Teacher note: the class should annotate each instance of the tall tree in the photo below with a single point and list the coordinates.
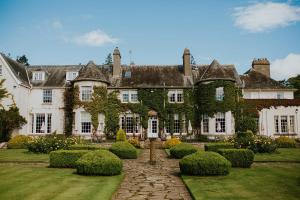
(108, 60)
(294, 82)
(23, 59)
(9, 119)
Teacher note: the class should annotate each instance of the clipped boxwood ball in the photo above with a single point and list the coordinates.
(181, 150)
(65, 158)
(101, 162)
(204, 163)
(124, 150)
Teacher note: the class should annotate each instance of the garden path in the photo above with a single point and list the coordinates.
(144, 181)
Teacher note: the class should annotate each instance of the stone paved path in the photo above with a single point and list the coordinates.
(145, 181)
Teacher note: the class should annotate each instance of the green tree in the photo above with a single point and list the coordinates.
(108, 60)
(9, 119)
(23, 59)
(294, 82)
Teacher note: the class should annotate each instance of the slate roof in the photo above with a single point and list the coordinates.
(152, 76)
(18, 69)
(93, 73)
(255, 80)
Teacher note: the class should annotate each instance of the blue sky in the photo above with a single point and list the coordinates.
(156, 31)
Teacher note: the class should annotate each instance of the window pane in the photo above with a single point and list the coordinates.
(179, 97)
(205, 124)
(292, 123)
(134, 97)
(47, 96)
(220, 94)
(49, 122)
(86, 125)
(172, 97)
(86, 93)
(220, 123)
(40, 123)
(284, 125)
(276, 122)
(125, 97)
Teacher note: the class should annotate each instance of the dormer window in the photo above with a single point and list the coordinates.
(71, 75)
(220, 93)
(38, 76)
(175, 96)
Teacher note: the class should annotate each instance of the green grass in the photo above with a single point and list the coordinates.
(21, 155)
(283, 155)
(30, 182)
(263, 181)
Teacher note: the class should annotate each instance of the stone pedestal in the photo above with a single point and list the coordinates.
(152, 151)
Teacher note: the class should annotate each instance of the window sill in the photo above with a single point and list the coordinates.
(47, 104)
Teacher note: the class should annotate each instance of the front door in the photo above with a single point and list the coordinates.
(153, 127)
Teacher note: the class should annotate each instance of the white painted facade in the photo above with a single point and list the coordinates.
(30, 101)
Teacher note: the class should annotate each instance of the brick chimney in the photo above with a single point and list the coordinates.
(116, 63)
(261, 65)
(187, 69)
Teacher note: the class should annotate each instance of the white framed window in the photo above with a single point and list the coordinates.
(127, 124)
(1, 70)
(292, 124)
(86, 125)
(175, 96)
(38, 76)
(129, 96)
(205, 123)
(176, 124)
(220, 93)
(280, 95)
(41, 123)
(284, 124)
(71, 75)
(220, 123)
(86, 93)
(276, 123)
(47, 96)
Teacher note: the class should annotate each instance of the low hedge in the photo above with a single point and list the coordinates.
(85, 147)
(238, 157)
(285, 142)
(204, 163)
(18, 142)
(65, 158)
(181, 150)
(216, 146)
(101, 162)
(124, 150)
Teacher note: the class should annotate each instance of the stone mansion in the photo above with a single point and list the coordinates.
(39, 93)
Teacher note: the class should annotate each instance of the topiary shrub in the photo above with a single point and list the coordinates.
(100, 162)
(243, 139)
(171, 143)
(285, 142)
(216, 146)
(121, 135)
(204, 163)
(18, 142)
(124, 150)
(238, 157)
(65, 158)
(85, 147)
(135, 142)
(181, 150)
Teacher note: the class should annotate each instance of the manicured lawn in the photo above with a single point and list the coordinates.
(283, 155)
(21, 155)
(263, 181)
(30, 182)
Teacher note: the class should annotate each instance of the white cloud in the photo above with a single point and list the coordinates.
(261, 17)
(94, 38)
(56, 24)
(285, 67)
